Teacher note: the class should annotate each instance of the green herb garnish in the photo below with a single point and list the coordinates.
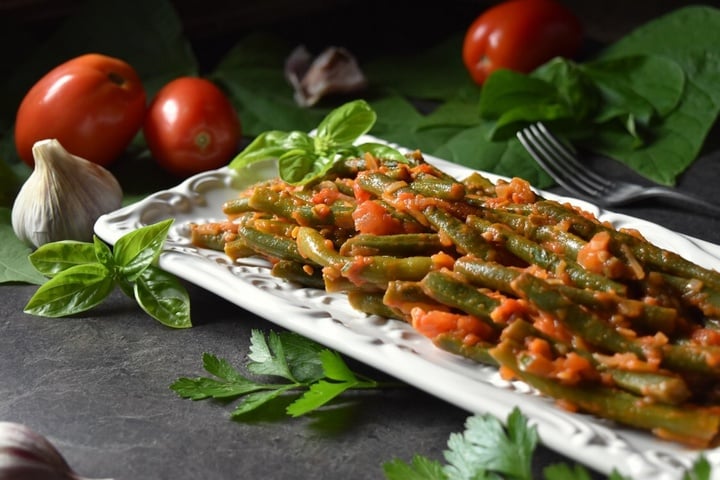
(303, 157)
(489, 450)
(286, 363)
(83, 274)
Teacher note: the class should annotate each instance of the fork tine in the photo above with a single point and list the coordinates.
(570, 157)
(563, 163)
(539, 152)
(558, 161)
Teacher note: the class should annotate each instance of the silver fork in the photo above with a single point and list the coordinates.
(562, 164)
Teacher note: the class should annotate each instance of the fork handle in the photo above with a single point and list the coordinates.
(680, 199)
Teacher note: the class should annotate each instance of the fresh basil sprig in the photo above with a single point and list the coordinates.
(304, 157)
(83, 274)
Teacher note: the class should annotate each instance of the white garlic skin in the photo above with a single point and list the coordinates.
(63, 197)
(27, 455)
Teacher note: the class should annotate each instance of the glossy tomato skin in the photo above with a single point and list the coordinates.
(520, 35)
(191, 126)
(92, 104)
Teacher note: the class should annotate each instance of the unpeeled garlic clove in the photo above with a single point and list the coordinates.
(63, 197)
(334, 71)
(27, 455)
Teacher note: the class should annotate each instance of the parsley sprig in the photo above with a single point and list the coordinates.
(283, 363)
(488, 449)
(491, 450)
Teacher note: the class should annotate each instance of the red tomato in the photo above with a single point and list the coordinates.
(520, 35)
(191, 126)
(93, 104)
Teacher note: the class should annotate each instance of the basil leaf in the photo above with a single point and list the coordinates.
(574, 88)
(381, 150)
(507, 90)
(135, 251)
(163, 297)
(344, 125)
(53, 258)
(271, 144)
(103, 253)
(74, 290)
(299, 167)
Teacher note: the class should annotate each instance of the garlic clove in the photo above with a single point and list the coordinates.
(27, 455)
(63, 197)
(334, 71)
(20, 446)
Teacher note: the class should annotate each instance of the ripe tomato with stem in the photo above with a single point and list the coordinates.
(93, 105)
(191, 126)
(520, 35)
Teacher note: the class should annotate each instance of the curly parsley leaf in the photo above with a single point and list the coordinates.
(286, 363)
(491, 450)
(487, 444)
(421, 468)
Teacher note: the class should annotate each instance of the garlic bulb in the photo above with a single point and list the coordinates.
(63, 197)
(27, 455)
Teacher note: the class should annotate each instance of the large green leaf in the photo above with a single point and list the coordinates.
(14, 263)
(252, 73)
(437, 73)
(689, 36)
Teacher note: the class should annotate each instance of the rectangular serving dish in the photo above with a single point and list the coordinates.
(393, 346)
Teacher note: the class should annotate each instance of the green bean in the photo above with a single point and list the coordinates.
(313, 246)
(477, 184)
(582, 323)
(403, 296)
(437, 188)
(379, 184)
(449, 289)
(300, 273)
(271, 245)
(692, 425)
(478, 352)
(375, 270)
(237, 206)
(666, 388)
(648, 254)
(371, 303)
(379, 270)
(686, 357)
(663, 387)
(466, 239)
(408, 244)
(499, 277)
(562, 241)
(211, 241)
(238, 248)
(487, 274)
(533, 253)
(294, 208)
(696, 293)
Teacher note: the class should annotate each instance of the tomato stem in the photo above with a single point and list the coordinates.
(203, 140)
(116, 78)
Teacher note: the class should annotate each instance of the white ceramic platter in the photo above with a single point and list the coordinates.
(393, 346)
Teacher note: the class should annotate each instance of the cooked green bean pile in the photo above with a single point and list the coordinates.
(599, 319)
